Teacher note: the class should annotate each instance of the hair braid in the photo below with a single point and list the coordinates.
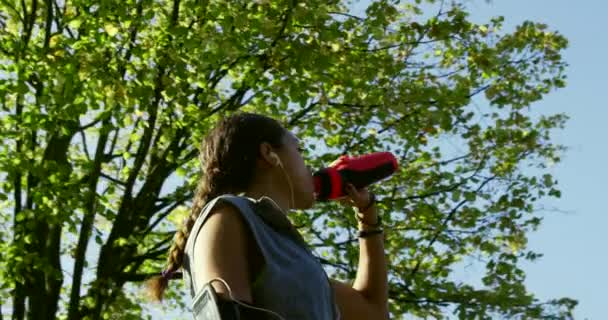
(227, 160)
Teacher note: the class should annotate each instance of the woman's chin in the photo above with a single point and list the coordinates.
(312, 203)
(311, 200)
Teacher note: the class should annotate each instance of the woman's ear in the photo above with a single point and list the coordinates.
(268, 156)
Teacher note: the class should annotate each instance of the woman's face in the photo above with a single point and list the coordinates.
(299, 173)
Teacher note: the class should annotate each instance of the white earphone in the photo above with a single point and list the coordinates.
(237, 301)
(278, 160)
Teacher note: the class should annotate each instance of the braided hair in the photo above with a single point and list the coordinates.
(228, 161)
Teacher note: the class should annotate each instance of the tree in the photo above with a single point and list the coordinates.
(104, 104)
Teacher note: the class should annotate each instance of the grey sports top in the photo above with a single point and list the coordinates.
(292, 282)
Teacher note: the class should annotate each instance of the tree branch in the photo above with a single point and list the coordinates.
(443, 226)
(139, 277)
(346, 15)
(86, 225)
(335, 264)
(160, 218)
(301, 114)
(118, 182)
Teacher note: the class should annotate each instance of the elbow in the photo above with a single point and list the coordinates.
(384, 314)
(381, 311)
(379, 306)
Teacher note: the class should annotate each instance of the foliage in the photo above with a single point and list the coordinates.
(104, 103)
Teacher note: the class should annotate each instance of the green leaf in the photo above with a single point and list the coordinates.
(440, 91)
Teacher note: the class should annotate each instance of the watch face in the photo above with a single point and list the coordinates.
(205, 305)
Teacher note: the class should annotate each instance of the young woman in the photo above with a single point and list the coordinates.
(252, 174)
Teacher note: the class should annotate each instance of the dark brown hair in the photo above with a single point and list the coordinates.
(228, 160)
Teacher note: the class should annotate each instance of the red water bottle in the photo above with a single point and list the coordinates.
(361, 171)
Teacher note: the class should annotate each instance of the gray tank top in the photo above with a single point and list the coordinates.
(292, 282)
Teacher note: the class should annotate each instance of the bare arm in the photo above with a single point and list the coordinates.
(367, 298)
(372, 272)
(221, 251)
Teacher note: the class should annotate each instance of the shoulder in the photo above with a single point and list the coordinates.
(221, 251)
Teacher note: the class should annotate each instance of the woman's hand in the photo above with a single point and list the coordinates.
(356, 198)
(360, 198)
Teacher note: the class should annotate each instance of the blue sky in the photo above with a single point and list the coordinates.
(573, 242)
(575, 261)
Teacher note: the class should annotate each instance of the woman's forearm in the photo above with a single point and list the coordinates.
(372, 273)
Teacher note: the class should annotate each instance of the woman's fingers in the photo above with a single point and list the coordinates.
(347, 201)
(360, 197)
